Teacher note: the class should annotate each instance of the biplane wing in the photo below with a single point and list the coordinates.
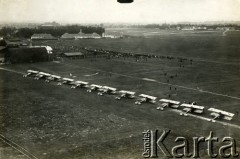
(53, 78)
(125, 94)
(106, 89)
(67, 81)
(170, 103)
(146, 98)
(220, 114)
(79, 84)
(190, 108)
(42, 75)
(31, 72)
(93, 87)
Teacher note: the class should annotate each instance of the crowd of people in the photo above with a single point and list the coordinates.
(137, 56)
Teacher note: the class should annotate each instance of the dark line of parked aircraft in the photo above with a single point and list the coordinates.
(142, 98)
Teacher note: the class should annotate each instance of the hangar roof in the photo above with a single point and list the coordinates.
(73, 54)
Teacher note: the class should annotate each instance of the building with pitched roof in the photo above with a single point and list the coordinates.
(80, 35)
(43, 37)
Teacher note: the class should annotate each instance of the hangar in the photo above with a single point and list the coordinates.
(26, 55)
(2, 53)
(74, 55)
(43, 37)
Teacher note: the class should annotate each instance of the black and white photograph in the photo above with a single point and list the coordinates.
(119, 79)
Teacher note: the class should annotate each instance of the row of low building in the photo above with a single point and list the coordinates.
(31, 54)
(11, 54)
(199, 28)
(2, 50)
(43, 37)
(79, 35)
(24, 54)
(15, 52)
(192, 28)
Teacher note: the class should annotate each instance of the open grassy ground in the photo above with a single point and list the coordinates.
(54, 122)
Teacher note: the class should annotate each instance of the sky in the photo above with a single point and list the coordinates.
(110, 11)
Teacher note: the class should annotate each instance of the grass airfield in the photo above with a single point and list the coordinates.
(53, 121)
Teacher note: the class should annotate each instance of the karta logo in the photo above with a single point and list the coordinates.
(154, 143)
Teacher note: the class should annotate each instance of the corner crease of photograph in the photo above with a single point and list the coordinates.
(110, 11)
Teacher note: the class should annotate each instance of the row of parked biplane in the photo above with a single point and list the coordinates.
(142, 98)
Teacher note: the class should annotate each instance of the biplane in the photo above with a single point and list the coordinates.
(168, 103)
(220, 114)
(31, 72)
(108, 90)
(190, 108)
(53, 78)
(146, 98)
(125, 94)
(79, 84)
(94, 87)
(42, 75)
(68, 81)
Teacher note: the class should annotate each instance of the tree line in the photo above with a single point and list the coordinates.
(12, 32)
(174, 26)
(171, 26)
